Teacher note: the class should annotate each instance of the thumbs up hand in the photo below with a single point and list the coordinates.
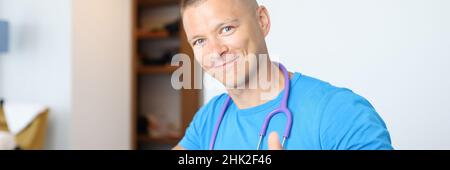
(274, 141)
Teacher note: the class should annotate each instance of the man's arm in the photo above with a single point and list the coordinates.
(349, 122)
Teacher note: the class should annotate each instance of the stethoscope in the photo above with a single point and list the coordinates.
(281, 109)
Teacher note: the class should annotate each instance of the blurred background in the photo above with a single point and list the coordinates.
(94, 74)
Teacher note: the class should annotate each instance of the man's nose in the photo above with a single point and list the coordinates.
(218, 48)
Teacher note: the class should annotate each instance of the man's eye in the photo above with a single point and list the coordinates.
(198, 42)
(226, 29)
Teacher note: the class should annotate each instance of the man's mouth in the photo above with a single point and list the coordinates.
(226, 63)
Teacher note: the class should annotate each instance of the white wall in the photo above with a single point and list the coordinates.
(396, 53)
(75, 57)
(37, 67)
(101, 74)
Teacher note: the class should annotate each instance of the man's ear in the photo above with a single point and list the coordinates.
(263, 19)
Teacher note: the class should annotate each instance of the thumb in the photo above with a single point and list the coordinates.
(274, 141)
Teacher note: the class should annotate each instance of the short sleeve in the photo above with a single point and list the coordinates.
(349, 122)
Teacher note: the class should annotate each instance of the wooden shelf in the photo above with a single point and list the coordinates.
(164, 69)
(152, 35)
(144, 37)
(157, 3)
(165, 140)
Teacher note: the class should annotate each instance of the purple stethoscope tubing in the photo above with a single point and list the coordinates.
(281, 109)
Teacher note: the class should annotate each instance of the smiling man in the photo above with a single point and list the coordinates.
(228, 40)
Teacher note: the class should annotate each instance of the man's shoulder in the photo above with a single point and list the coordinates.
(321, 95)
(217, 100)
(212, 105)
(314, 89)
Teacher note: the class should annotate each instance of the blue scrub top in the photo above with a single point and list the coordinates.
(325, 117)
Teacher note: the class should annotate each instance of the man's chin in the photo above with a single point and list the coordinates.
(233, 84)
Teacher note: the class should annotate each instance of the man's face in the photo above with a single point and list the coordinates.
(225, 35)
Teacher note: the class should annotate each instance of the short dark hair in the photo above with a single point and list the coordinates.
(187, 3)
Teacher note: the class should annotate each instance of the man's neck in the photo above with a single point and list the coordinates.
(247, 98)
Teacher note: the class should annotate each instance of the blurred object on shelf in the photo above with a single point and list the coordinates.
(155, 127)
(162, 127)
(159, 58)
(156, 19)
(142, 125)
(158, 51)
(168, 29)
(173, 27)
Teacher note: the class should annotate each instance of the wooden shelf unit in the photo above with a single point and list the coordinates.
(163, 69)
(148, 139)
(190, 99)
(142, 35)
